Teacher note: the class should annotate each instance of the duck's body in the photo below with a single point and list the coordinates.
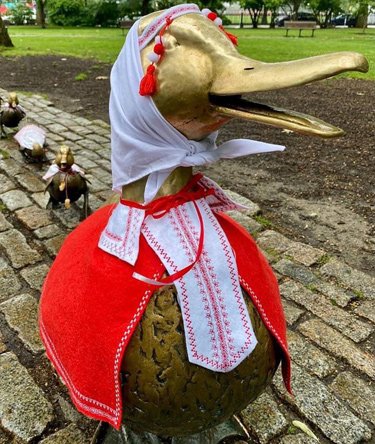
(66, 183)
(199, 80)
(32, 143)
(10, 114)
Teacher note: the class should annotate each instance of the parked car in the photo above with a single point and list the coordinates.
(344, 20)
(301, 16)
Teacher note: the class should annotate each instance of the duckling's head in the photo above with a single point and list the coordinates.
(201, 78)
(37, 150)
(13, 99)
(64, 158)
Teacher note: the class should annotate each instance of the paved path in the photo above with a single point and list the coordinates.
(329, 308)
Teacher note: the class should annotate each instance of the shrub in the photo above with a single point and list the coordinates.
(21, 14)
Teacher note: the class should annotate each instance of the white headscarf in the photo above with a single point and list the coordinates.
(143, 142)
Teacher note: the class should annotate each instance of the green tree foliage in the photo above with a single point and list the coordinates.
(21, 14)
(324, 9)
(255, 8)
(273, 6)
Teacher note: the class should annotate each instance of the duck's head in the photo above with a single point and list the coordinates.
(64, 158)
(37, 150)
(201, 79)
(13, 99)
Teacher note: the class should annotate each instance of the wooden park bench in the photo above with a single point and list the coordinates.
(300, 26)
(126, 24)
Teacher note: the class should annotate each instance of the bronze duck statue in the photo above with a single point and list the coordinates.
(199, 86)
(32, 143)
(11, 113)
(66, 182)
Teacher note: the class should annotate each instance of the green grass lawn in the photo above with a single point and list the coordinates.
(262, 44)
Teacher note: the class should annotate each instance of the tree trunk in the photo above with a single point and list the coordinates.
(41, 13)
(264, 16)
(145, 7)
(4, 36)
(362, 16)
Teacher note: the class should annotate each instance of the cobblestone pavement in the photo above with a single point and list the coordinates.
(329, 308)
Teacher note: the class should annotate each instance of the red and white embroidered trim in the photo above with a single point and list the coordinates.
(219, 334)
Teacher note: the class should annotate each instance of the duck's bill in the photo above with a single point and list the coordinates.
(238, 107)
(240, 75)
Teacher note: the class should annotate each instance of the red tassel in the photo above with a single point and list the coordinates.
(230, 36)
(147, 87)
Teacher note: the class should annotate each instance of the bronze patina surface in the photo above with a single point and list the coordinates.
(166, 395)
(11, 116)
(200, 80)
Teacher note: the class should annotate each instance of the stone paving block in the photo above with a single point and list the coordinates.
(11, 167)
(305, 254)
(4, 224)
(28, 418)
(53, 244)
(272, 240)
(9, 283)
(90, 154)
(70, 218)
(35, 276)
(34, 217)
(95, 203)
(341, 347)
(100, 173)
(3, 348)
(310, 357)
(89, 145)
(316, 403)
(359, 394)
(47, 232)
(82, 121)
(292, 312)
(70, 435)
(101, 123)
(56, 128)
(21, 313)
(104, 164)
(251, 225)
(252, 208)
(6, 184)
(264, 418)
(68, 135)
(30, 182)
(366, 309)
(350, 277)
(17, 249)
(82, 130)
(15, 199)
(294, 271)
(299, 438)
(84, 162)
(41, 199)
(97, 138)
(95, 184)
(345, 322)
(70, 413)
(334, 293)
(54, 137)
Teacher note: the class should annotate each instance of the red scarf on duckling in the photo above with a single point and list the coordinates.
(87, 317)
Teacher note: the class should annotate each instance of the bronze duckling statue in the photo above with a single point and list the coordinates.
(66, 182)
(11, 113)
(196, 86)
(32, 143)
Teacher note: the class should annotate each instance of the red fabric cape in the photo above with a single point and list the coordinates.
(91, 305)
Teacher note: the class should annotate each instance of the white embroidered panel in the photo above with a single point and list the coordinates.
(218, 330)
(121, 235)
